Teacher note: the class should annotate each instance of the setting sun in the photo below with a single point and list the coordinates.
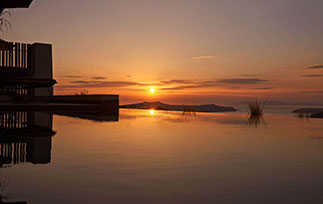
(152, 90)
(152, 111)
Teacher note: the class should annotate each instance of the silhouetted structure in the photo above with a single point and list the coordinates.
(93, 116)
(25, 137)
(25, 71)
(15, 3)
(256, 121)
(26, 80)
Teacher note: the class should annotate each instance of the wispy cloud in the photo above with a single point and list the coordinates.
(312, 75)
(193, 59)
(192, 84)
(99, 78)
(98, 84)
(242, 81)
(83, 77)
(182, 87)
(204, 57)
(178, 81)
(83, 82)
(313, 92)
(173, 84)
(72, 76)
(263, 88)
(248, 75)
(318, 66)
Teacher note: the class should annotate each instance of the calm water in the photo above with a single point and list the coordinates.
(165, 157)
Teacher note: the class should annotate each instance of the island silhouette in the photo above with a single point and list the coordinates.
(211, 108)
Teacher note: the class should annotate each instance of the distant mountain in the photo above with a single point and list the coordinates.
(186, 108)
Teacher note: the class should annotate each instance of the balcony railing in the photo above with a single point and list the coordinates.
(15, 55)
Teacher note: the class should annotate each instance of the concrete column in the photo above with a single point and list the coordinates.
(42, 66)
(41, 119)
(39, 150)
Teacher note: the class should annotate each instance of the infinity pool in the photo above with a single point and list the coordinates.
(167, 157)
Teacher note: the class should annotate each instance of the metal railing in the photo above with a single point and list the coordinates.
(15, 55)
(13, 120)
(13, 153)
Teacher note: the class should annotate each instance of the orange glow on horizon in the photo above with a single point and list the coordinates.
(161, 64)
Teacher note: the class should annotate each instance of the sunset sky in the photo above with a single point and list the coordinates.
(189, 51)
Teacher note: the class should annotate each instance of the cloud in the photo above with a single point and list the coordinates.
(242, 81)
(178, 81)
(313, 92)
(99, 78)
(248, 75)
(172, 84)
(191, 84)
(182, 87)
(263, 88)
(318, 66)
(83, 82)
(204, 57)
(81, 77)
(193, 59)
(312, 75)
(98, 84)
(72, 76)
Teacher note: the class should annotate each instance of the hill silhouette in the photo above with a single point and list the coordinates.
(186, 108)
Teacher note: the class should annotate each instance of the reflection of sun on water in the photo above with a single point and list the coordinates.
(152, 111)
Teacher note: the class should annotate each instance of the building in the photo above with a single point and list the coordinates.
(26, 80)
(26, 137)
(26, 71)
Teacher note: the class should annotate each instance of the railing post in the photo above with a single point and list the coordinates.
(29, 48)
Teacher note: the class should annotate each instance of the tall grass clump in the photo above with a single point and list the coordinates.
(255, 107)
(303, 115)
(188, 109)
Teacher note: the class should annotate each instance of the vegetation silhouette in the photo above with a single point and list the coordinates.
(303, 115)
(256, 121)
(5, 24)
(255, 109)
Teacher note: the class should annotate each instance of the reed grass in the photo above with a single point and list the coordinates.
(256, 120)
(188, 108)
(303, 115)
(255, 107)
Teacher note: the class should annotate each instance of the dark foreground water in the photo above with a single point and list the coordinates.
(163, 157)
